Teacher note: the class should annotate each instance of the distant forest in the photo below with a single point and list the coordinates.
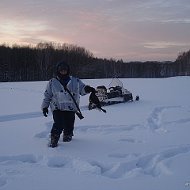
(28, 63)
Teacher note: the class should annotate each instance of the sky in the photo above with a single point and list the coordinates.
(132, 30)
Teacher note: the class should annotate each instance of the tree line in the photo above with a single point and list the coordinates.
(37, 63)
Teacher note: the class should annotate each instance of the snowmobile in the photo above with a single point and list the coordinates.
(115, 94)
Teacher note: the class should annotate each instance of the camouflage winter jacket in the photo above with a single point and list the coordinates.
(58, 98)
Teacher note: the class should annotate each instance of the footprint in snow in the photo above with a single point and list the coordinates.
(130, 140)
(123, 155)
(3, 181)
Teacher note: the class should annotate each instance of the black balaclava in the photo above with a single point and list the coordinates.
(64, 79)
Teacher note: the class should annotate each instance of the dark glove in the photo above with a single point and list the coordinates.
(89, 89)
(45, 111)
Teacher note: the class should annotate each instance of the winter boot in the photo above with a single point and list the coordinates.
(67, 138)
(54, 140)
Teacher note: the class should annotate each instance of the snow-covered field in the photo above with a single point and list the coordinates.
(141, 145)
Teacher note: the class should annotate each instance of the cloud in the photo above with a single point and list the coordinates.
(163, 45)
(109, 28)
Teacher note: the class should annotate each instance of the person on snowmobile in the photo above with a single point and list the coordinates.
(62, 94)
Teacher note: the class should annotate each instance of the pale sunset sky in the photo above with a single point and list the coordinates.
(132, 30)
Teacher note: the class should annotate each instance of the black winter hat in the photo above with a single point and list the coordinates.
(62, 66)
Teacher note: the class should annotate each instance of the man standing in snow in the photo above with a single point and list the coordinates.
(62, 94)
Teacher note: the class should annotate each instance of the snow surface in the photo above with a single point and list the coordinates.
(141, 145)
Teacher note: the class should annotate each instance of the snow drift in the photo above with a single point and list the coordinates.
(137, 145)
